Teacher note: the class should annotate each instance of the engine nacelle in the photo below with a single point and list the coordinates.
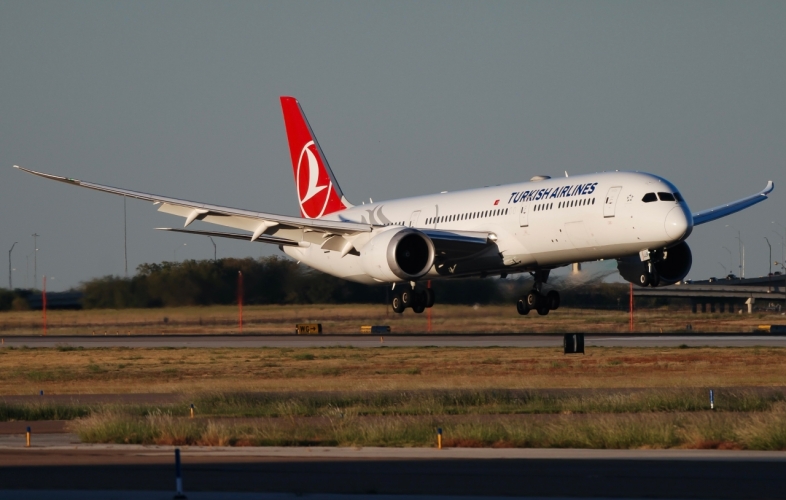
(399, 254)
(671, 269)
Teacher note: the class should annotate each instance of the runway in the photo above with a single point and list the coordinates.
(457, 472)
(391, 340)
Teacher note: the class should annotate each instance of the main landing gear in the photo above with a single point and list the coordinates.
(536, 300)
(418, 300)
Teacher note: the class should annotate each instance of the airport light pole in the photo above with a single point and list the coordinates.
(35, 258)
(174, 253)
(783, 239)
(770, 261)
(125, 236)
(10, 281)
(742, 251)
(27, 269)
(730, 263)
(214, 248)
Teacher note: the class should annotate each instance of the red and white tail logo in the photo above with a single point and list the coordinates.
(317, 190)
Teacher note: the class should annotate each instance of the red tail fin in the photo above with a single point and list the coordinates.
(317, 190)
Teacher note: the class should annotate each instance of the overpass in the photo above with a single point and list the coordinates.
(722, 295)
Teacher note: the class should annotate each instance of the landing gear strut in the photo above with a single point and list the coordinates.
(409, 296)
(536, 300)
(649, 277)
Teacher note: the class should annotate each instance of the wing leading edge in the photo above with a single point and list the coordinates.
(733, 207)
(256, 222)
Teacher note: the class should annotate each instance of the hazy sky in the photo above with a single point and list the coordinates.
(406, 98)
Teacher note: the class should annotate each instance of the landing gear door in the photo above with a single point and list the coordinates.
(523, 215)
(413, 219)
(611, 201)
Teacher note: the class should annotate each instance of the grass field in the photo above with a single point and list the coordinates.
(608, 398)
(338, 319)
(125, 370)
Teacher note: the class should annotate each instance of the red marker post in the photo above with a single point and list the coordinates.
(240, 300)
(630, 326)
(428, 311)
(43, 302)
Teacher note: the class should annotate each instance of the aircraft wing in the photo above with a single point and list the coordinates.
(730, 208)
(458, 244)
(287, 230)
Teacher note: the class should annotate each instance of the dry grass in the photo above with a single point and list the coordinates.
(338, 319)
(167, 370)
(761, 431)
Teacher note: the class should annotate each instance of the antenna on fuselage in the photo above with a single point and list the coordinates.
(566, 173)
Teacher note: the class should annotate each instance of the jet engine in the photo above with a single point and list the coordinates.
(399, 254)
(666, 267)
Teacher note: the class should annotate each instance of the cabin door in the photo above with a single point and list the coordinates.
(523, 215)
(611, 201)
(413, 219)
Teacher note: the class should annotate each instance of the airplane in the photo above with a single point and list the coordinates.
(637, 218)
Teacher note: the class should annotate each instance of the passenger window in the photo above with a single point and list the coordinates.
(666, 197)
(678, 197)
(649, 198)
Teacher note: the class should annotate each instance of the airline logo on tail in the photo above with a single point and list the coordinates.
(317, 191)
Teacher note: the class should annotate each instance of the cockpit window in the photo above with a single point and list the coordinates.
(666, 197)
(678, 197)
(649, 198)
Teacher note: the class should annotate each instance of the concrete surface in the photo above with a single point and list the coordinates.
(148, 472)
(392, 341)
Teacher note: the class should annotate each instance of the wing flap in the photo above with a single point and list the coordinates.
(236, 236)
(733, 207)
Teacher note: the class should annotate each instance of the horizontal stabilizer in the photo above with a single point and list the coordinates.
(733, 207)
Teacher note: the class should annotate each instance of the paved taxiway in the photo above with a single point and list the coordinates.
(463, 340)
(66, 465)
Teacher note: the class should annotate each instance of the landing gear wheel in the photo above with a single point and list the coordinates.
(543, 310)
(407, 297)
(654, 278)
(552, 299)
(533, 299)
(397, 303)
(429, 297)
(644, 279)
(418, 301)
(522, 308)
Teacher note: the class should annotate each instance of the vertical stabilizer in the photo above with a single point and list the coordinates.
(317, 190)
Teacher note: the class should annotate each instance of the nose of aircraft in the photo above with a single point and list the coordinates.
(678, 223)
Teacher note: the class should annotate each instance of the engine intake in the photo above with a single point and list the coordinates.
(398, 254)
(671, 269)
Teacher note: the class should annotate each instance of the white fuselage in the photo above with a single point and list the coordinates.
(540, 224)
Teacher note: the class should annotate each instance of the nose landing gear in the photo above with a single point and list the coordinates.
(418, 300)
(649, 277)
